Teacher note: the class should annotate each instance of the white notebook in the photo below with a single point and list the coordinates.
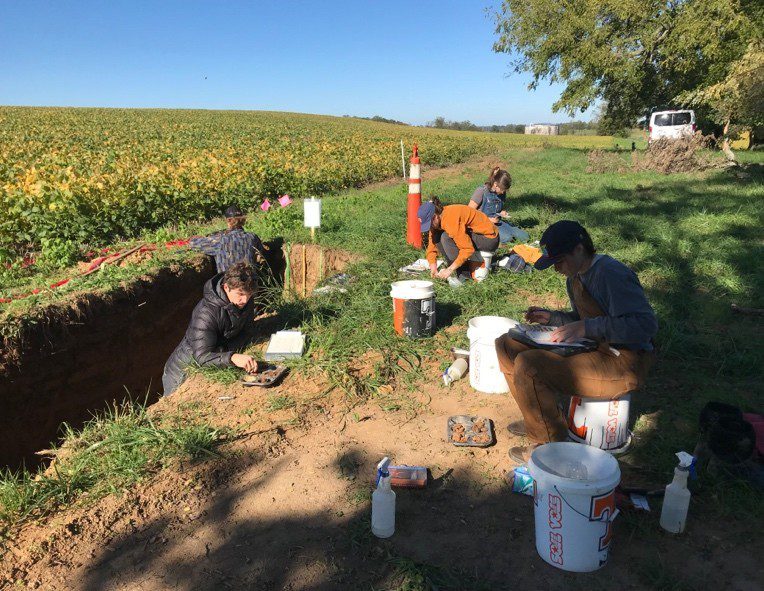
(542, 335)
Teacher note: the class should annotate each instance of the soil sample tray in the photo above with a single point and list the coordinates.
(466, 431)
(269, 376)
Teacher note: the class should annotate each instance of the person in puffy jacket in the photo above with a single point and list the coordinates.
(221, 324)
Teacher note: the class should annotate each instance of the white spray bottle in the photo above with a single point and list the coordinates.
(676, 502)
(383, 503)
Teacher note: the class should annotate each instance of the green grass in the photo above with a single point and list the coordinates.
(110, 453)
(279, 402)
(694, 239)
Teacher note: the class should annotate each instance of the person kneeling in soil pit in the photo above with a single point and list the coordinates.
(221, 324)
(609, 306)
(233, 245)
(458, 233)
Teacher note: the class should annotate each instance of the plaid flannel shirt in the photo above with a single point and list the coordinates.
(229, 248)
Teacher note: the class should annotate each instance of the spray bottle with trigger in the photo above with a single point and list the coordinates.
(383, 503)
(676, 502)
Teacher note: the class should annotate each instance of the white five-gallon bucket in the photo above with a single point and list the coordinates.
(413, 308)
(600, 423)
(485, 375)
(574, 498)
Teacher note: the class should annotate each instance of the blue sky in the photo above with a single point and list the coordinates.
(410, 61)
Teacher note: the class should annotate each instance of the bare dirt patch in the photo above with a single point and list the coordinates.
(288, 507)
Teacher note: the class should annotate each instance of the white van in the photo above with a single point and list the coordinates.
(671, 124)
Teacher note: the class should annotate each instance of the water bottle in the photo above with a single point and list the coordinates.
(676, 501)
(455, 372)
(383, 503)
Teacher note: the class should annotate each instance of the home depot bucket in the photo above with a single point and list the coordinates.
(600, 423)
(574, 504)
(482, 331)
(413, 308)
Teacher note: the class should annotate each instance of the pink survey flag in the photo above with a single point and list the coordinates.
(266, 205)
(285, 200)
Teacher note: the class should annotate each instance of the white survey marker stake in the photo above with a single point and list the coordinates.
(312, 212)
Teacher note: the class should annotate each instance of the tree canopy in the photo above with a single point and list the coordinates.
(637, 54)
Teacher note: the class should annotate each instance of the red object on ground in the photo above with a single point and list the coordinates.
(757, 422)
(93, 265)
(413, 227)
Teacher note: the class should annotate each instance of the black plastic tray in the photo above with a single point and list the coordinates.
(268, 376)
(468, 421)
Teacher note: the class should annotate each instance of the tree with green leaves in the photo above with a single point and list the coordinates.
(638, 54)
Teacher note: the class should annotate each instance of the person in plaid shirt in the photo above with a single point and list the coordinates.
(233, 245)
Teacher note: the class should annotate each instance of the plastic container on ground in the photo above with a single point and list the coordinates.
(383, 503)
(479, 271)
(574, 504)
(600, 423)
(676, 501)
(413, 308)
(456, 371)
(485, 375)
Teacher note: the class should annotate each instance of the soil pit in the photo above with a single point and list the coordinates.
(102, 349)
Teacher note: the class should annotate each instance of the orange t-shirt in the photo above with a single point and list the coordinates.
(455, 221)
(529, 254)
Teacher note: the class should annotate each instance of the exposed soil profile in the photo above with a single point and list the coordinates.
(101, 349)
(310, 264)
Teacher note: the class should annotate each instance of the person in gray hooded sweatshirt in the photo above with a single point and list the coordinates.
(221, 324)
(609, 306)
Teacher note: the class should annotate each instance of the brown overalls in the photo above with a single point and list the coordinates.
(535, 376)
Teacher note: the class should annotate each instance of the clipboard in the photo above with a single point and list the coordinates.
(520, 334)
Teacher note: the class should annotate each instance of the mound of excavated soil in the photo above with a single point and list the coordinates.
(664, 156)
(682, 155)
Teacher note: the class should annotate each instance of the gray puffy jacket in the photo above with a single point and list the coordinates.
(217, 330)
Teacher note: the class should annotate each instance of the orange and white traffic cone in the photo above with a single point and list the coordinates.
(413, 227)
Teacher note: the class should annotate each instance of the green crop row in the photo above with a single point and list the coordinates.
(70, 177)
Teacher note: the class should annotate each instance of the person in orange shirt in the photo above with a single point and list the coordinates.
(458, 233)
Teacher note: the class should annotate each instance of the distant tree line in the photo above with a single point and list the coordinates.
(379, 119)
(569, 128)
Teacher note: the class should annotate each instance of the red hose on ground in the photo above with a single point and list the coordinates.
(95, 264)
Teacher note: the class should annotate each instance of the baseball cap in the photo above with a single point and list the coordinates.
(557, 240)
(233, 211)
(425, 213)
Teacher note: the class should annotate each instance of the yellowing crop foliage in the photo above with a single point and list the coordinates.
(93, 175)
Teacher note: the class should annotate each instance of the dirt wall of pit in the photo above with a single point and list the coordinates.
(99, 349)
(309, 264)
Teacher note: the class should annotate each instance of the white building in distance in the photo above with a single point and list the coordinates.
(542, 129)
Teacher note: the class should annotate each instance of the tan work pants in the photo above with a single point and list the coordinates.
(536, 377)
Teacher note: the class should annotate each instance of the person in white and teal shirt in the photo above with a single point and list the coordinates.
(490, 198)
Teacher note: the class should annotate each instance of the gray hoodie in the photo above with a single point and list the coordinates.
(629, 320)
